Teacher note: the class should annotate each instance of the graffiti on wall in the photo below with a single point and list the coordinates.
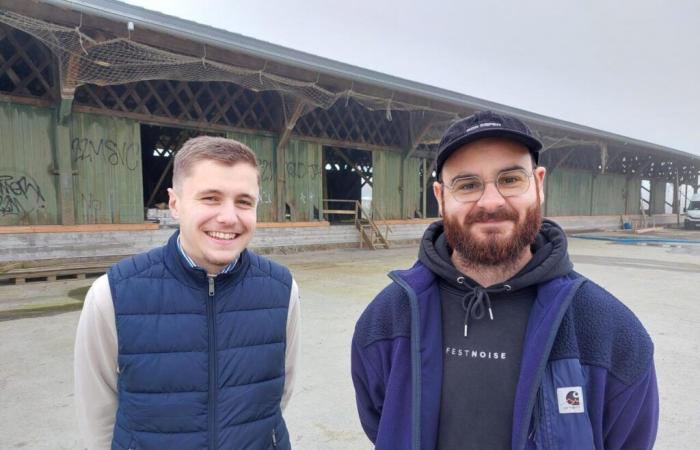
(19, 195)
(304, 198)
(265, 198)
(123, 154)
(301, 170)
(265, 168)
(91, 207)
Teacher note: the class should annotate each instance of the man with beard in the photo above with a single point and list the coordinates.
(491, 340)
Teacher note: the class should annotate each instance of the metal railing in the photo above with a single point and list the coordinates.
(362, 218)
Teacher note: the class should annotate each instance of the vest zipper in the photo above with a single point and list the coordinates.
(536, 432)
(274, 438)
(211, 285)
(212, 365)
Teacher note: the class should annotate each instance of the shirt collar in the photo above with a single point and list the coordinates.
(194, 265)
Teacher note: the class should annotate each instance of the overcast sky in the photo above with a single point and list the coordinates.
(631, 67)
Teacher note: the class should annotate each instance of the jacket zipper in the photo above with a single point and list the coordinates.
(212, 364)
(416, 378)
(274, 438)
(535, 421)
(521, 440)
(539, 418)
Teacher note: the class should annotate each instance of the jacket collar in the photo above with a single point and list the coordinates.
(176, 262)
(419, 277)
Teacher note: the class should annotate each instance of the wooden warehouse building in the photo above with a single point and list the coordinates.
(92, 110)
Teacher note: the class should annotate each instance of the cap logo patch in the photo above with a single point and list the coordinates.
(570, 400)
(482, 125)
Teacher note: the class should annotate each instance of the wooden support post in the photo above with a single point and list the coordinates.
(64, 163)
(626, 193)
(590, 208)
(62, 143)
(603, 157)
(413, 142)
(281, 160)
(424, 189)
(402, 187)
(676, 208)
(281, 184)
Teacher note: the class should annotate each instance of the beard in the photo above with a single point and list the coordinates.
(494, 250)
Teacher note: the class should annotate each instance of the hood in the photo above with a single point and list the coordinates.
(550, 258)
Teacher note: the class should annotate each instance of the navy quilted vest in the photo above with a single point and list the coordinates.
(201, 362)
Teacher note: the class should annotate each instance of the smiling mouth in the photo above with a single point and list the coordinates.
(491, 221)
(222, 236)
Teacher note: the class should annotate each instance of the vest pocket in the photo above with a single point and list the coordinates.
(563, 409)
(279, 438)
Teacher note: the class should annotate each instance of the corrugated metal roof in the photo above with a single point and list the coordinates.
(235, 42)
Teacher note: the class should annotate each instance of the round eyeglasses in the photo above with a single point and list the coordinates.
(508, 183)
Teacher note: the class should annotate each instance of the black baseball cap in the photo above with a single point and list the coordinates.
(483, 124)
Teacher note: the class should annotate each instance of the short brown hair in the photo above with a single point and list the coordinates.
(201, 148)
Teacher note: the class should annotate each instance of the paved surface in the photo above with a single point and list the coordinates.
(660, 284)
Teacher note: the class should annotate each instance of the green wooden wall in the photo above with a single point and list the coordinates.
(411, 187)
(28, 188)
(304, 193)
(107, 185)
(264, 148)
(386, 172)
(658, 196)
(106, 152)
(609, 194)
(568, 193)
(579, 193)
(634, 195)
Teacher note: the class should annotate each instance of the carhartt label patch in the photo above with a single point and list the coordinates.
(570, 400)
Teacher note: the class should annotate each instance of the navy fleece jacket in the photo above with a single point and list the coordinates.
(586, 379)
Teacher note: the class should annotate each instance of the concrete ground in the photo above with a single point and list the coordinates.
(660, 284)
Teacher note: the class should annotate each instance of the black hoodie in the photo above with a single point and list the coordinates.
(483, 330)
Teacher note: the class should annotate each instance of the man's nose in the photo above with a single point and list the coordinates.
(228, 213)
(491, 199)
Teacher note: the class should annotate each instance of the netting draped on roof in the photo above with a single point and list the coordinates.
(83, 60)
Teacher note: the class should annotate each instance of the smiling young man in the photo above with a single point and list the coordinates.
(491, 340)
(193, 345)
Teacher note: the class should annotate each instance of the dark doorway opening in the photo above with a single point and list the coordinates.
(347, 179)
(427, 180)
(158, 147)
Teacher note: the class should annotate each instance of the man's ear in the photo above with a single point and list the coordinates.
(438, 191)
(540, 174)
(173, 203)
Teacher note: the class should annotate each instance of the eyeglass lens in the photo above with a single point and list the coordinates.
(508, 183)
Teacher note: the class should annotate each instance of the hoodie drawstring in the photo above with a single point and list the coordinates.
(477, 301)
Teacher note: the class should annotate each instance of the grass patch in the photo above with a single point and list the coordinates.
(61, 306)
(78, 293)
(73, 302)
